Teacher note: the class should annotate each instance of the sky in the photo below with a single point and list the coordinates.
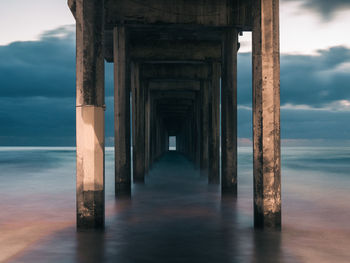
(37, 74)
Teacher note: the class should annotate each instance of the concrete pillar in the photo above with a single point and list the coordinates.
(229, 112)
(185, 138)
(204, 158)
(198, 131)
(153, 130)
(266, 115)
(178, 148)
(138, 113)
(147, 126)
(190, 132)
(214, 125)
(121, 113)
(156, 135)
(165, 139)
(90, 114)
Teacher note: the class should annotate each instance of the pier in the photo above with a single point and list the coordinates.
(175, 64)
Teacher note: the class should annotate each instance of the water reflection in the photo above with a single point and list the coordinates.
(174, 217)
(267, 247)
(90, 247)
(177, 217)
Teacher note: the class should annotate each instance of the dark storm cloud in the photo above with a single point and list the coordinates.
(46, 68)
(37, 92)
(40, 68)
(326, 8)
(314, 80)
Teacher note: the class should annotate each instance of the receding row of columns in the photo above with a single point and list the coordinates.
(198, 123)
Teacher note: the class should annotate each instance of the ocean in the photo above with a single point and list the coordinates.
(176, 216)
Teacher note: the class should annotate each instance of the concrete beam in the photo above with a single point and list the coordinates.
(190, 85)
(194, 12)
(175, 61)
(172, 103)
(173, 107)
(175, 50)
(162, 50)
(174, 71)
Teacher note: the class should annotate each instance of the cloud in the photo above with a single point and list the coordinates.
(46, 68)
(41, 68)
(326, 8)
(317, 81)
(37, 93)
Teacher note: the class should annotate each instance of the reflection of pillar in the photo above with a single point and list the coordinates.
(204, 128)
(266, 115)
(88, 239)
(138, 113)
(229, 113)
(121, 113)
(214, 125)
(90, 114)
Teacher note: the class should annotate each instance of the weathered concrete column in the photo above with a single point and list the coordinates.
(153, 135)
(190, 131)
(147, 126)
(204, 159)
(156, 135)
(121, 113)
(214, 125)
(266, 115)
(90, 114)
(138, 113)
(198, 131)
(229, 112)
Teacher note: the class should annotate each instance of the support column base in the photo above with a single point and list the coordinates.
(268, 221)
(123, 190)
(229, 191)
(90, 212)
(139, 180)
(214, 180)
(203, 173)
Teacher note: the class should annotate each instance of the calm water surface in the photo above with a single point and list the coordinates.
(175, 216)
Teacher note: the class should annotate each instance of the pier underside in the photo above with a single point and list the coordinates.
(175, 75)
